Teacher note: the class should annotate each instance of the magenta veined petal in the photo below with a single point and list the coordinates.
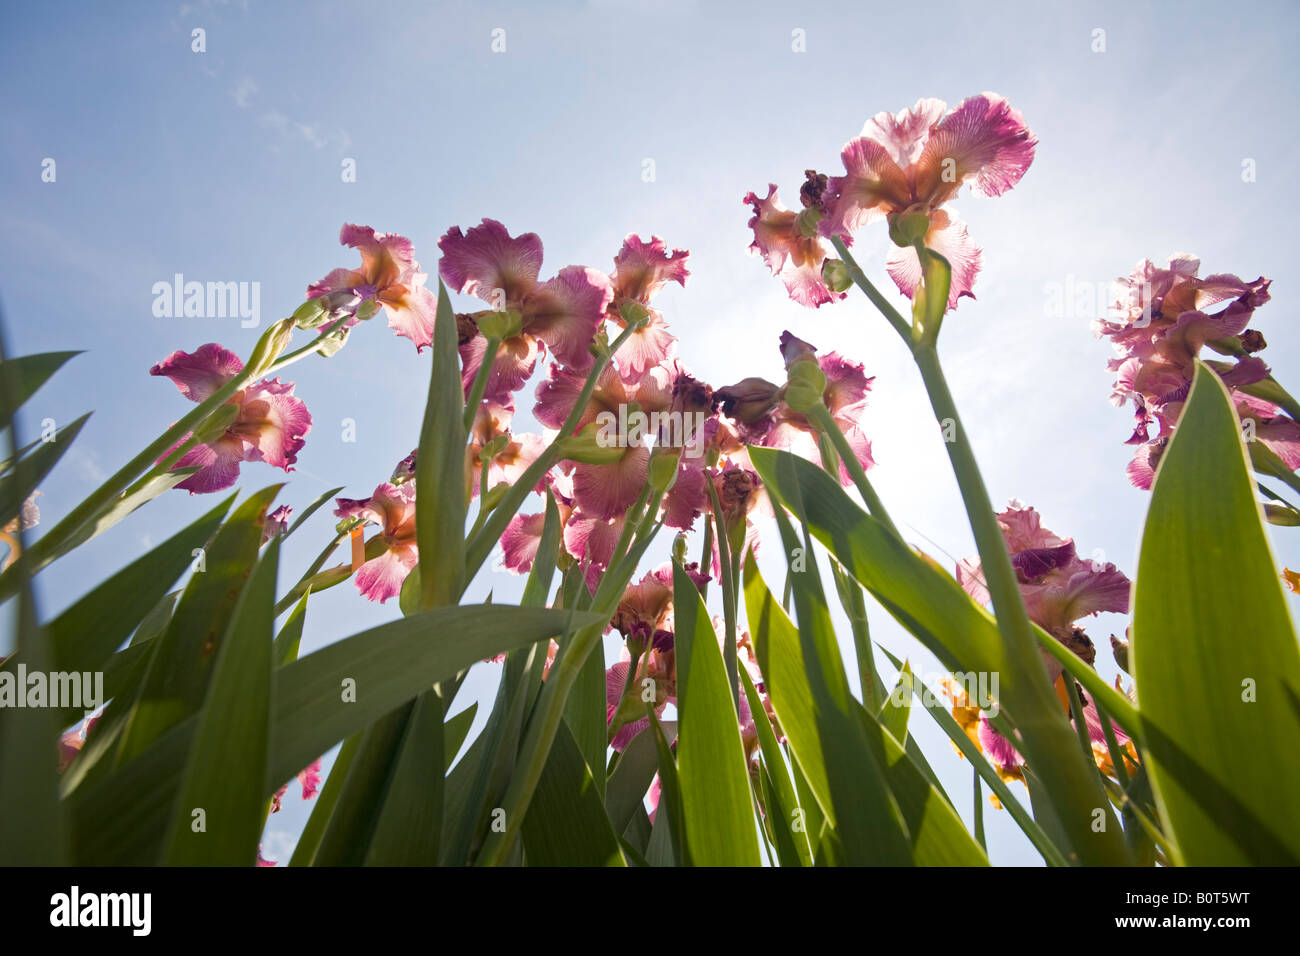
(411, 313)
(566, 311)
(643, 268)
(904, 134)
(274, 422)
(487, 259)
(984, 141)
(200, 373)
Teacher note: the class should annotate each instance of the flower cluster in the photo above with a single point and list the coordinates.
(1163, 321)
(903, 168)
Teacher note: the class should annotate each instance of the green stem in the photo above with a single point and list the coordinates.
(1073, 783)
(979, 812)
(895, 318)
(480, 545)
(822, 418)
(480, 381)
(536, 746)
(728, 593)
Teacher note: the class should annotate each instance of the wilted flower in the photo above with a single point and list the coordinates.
(261, 422)
(915, 162)
(390, 277)
(276, 523)
(762, 419)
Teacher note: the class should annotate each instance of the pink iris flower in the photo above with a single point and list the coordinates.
(392, 509)
(561, 314)
(918, 160)
(270, 424)
(790, 250)
(641, 269)
(389, 276)
(1058, 586)
(1162, 322)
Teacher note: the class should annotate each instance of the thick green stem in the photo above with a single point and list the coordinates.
(1072, 782)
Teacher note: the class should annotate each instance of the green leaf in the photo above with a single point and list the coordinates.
(30, 372)
(181, 661)
(440, 470)
(543, 569)
(988, 774)
(16, 488)
(285, 649)
(304, 853)
(894, 711)
(117, 819)
(666, 846)
(867, 819)
(311, 509)
(455, 730)
(777, 778)
(566, 823)
(933, 607)
(351, 825)
(584, 712)
(88, 632)
(1214, 651)
(121, 508)
(713, 774)
(632, 777)
(407, 829)
(226, 766)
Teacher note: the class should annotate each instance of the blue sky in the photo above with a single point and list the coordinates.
(225, 166)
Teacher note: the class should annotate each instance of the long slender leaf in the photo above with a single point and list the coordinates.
(219, 807)
(1214, 651)
(719, 821)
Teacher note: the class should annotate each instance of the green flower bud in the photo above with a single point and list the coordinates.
(271, 345)
(594, 445)
(500, 325)
(807, 222)
(908, 227)
(663, 469)
(805, 384)
(494, 495)
(836, 275)
(309, 315)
